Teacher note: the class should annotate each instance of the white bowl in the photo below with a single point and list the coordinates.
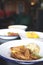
(6, 48)
(23, 27)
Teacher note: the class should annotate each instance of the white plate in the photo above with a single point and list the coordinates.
(5, 50)
(4, 33)
(23, 35)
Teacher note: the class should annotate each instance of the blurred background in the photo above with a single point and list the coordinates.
(23, 12)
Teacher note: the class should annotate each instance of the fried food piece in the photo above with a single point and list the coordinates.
(18, 55)
(17, 49)
(20, 52)
(17, 52)
(27, 54)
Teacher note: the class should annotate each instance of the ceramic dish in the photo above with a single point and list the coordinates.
(4, 33)
(5, 50)
(31, 35)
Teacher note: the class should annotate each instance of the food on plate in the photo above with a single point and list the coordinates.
(33, 47)
(32, 35)
(12, 34)
(25, 53)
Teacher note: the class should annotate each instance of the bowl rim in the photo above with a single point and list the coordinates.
(21, 26)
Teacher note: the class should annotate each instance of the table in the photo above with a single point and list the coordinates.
(4, 62)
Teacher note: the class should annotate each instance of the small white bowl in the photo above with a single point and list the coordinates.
(23, 27)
